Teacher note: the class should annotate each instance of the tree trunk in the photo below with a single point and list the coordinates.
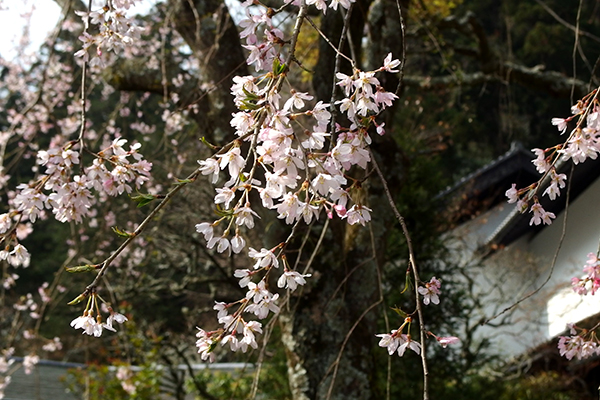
(319, 333)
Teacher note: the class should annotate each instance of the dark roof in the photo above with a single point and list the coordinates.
(486, 188)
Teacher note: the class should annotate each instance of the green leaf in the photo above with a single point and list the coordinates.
(207, 143)
(143, 199)
(249, 106)
(76, 300)
(183, 182)
(249, 95)
(407, 282)
(400, 312)
(282, 69)
(278, 67)
(222, 212)
(82, 268)
(121, 233)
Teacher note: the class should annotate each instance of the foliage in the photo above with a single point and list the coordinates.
(96, 382)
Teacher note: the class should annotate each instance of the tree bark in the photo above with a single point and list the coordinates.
(334, 322)
(210, 32)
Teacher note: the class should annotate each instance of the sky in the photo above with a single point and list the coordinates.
(46, 14)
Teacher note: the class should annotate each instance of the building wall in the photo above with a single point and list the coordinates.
(582, 237)
(519, 269)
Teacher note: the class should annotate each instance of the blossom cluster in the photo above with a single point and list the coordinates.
(238, 332)
(582, 143)
(6, 361)
(322, 4)
(578, 345)
(91, 319)
(115, 31)
(582, 343)
(125, 376)
(288, 155)
(398, 341)
(281, 153)
(69, 196)
(591, 282)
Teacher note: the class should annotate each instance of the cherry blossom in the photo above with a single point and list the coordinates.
(560, 123)
(389, 64)
(540, 215)
(430, 291)
(358, 214)
(576, 347)
(291, 280)
(30, 361)
(390, 341)
(91, 320)
(408, 343)
(264, 258)
(512, 194)
(541, 164)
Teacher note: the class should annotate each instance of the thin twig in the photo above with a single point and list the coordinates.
(336, 69)
(338, 52)
(575, 46)
(554, 259)
(261, 356)
(336, 363)
(403, 38)
(388, 380)
(343, 282)
(346, 32)
(192, 177)
(566, 24)
(83, 91)
(415, 272)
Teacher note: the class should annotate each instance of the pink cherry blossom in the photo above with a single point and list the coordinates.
(430, 291)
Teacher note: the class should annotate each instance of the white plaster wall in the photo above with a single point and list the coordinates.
(582, 237)
(498, 282)
(516, 271)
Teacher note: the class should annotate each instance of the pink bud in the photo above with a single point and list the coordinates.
(445, 341)
(340, 210)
